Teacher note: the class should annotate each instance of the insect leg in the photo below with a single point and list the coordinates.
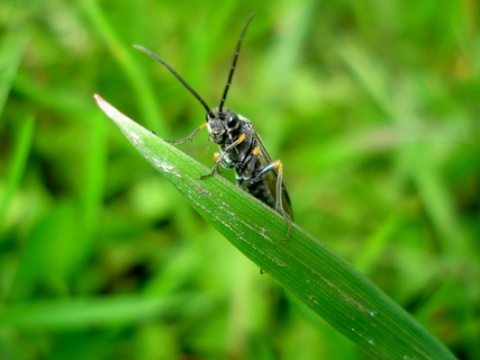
(218, 157)
(189, 137)
(278, 196)
(220, 160)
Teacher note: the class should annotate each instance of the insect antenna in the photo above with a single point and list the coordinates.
(234, 63)
(177, 75)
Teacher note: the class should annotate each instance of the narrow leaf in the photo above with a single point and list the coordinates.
(305, 266)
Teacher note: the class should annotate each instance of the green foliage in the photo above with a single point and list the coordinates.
(372, 107)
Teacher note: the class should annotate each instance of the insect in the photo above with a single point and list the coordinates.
(240, 146)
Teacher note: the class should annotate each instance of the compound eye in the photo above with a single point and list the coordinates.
(231, 121)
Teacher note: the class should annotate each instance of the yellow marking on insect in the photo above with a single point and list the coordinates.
(277, 164)
(241, 138)
(256, 151)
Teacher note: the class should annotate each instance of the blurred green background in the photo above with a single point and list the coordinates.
(372, 106)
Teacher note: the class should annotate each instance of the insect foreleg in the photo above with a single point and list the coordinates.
(226, 164)
(189, 137)
(220, 160)
(217, 157)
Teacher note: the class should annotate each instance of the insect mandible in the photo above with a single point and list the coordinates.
(240, 146)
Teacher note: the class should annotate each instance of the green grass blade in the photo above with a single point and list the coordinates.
(87, 312)
(322, 280)
(144, 94)
(12, 47)
(23, 142)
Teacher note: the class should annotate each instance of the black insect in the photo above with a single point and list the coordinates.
(240, 146)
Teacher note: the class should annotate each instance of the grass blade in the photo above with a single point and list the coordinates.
(322, 280)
